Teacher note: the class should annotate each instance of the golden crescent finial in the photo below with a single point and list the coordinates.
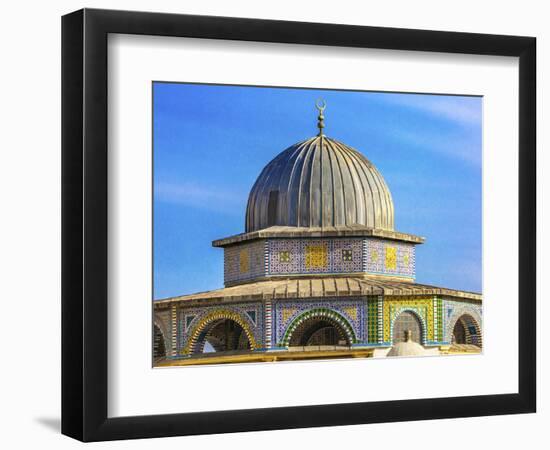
(321, 104)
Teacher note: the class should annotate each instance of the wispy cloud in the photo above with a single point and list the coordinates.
(212, 198)
(460, 110)
(457, 147)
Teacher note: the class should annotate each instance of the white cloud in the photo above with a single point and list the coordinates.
(454, 147)
(461, 110)
(212, 198)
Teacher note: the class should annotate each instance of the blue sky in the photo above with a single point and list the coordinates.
(211, 142)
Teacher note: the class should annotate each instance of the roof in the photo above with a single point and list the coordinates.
(319, 287)
(320, 182)
(299, 232)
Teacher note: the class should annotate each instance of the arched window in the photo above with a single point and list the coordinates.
(222, 335)
(404, 322)
(319, 331)
(466, 331)
(459, 333)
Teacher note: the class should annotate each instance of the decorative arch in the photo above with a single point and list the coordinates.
(213, 316)
(165, 330)
(323, 313)
(469, 323)
(416, 313)
(475, 320)
(163, 337)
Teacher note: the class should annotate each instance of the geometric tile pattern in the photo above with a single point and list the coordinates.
(452, 310)
(316, 256)
(244, 262)
(309, 256)
(389, 258)
(300, 256)
(192, 318)
(372, 320)
(367, 320)
(285, 312)
(285, 256)
(211, 317)
(326, 313)
(424, 310)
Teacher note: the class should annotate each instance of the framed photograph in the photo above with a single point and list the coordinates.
(273, 225)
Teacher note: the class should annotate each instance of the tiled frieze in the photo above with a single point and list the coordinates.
(275, 257)
(244, 262)
(285, 256)
(370, 319)
(310, 256)
(384, 257)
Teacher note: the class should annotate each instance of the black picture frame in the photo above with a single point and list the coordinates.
(84, 224)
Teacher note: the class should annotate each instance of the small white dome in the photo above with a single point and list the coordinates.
(407, 348)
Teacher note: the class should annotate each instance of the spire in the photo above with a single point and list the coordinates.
(321, 105)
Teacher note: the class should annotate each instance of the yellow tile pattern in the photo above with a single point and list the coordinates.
(374, 256)
(244, 263)
(316, 256)
(351, 312)
(422, 306)
(288, 313)
(391, 257)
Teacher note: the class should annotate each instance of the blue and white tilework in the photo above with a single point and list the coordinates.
(251, 313)
(244, 262)
(354, 311)
(288, 256)
(453, 310)
(378, 257)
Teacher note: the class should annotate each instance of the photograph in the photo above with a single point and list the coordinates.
(314, 224)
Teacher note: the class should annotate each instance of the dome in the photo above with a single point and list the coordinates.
(320, 182)
(407, 348)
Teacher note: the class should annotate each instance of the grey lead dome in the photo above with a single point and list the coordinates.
(320, 182)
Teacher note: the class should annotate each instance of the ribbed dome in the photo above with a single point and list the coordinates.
(319, 182)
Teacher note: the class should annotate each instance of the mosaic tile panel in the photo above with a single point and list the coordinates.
(372, 320)
(316, 256)
(320, 313)
(438, 320)
(353, 311)
(346, 255)
(305, 256)
(389, 258)
(424, 309)
(244, 262)
(250, 313)
(285, 256)
(452, 310)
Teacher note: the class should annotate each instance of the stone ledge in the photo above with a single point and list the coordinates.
(313, 232)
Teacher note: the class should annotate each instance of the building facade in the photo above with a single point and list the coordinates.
(319, 272)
